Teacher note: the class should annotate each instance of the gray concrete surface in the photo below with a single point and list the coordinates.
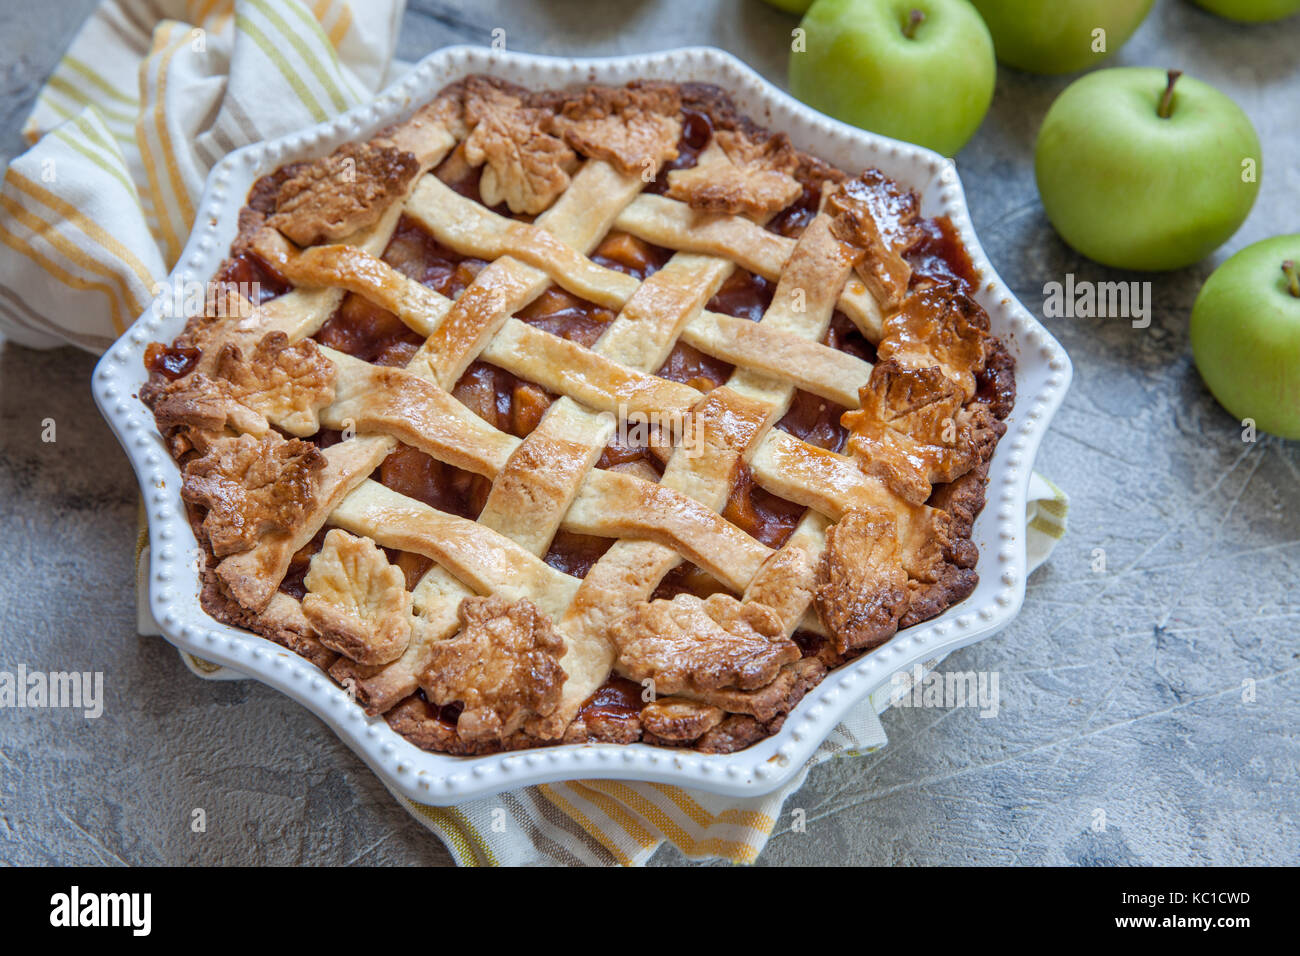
(1122, 692)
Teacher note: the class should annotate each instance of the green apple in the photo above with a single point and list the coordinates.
(1246, 335)
(1064, 36)
(1251, 11)
(1139, 169)
(791, 6)
(918, 70)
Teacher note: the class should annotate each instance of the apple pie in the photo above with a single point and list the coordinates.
(579, 416)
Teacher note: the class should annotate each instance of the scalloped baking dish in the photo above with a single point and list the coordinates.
(1042, 376)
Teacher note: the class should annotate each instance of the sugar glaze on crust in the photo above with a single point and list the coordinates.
(597, 415)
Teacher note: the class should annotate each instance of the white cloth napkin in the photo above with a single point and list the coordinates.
(151, 94)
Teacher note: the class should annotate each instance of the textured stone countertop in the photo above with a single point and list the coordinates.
(1121, 692)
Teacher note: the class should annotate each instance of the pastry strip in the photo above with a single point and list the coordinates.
(667, 222)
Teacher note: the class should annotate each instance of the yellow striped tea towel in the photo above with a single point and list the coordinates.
(149, 97)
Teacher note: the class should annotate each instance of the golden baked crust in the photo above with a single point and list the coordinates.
(335, 196)
(634, 127)
(737, 732)
(773, 699)
(881, 265)
(201, 409)
(913, 429)
(287, 383)
(742, 176)
(251, 487)
(679, 719)
(357, 601)
(424, 725)
(939, 326)
(402, 465)
(944, 571)
(688, 645)
(502, 668)
(861, 585)
(526, 166)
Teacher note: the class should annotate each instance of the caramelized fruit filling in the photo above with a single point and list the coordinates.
(618, 699)
(419, 256)
(364, 330)
(411, 472)
(697, 130)
(251, 278)
(940, 255)
(170, 361)
(576, 553)
(760, 513)
(688, 578)
(744, 295)
(564, 314)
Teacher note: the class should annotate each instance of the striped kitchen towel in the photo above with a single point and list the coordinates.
(151, 94)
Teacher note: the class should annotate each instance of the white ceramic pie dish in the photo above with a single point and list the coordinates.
(1042, 376)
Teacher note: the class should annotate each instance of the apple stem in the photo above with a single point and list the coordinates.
(913, 21)
(1167, 101)
(1292, 277)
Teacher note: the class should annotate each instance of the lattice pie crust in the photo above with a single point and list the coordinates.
(583, 416)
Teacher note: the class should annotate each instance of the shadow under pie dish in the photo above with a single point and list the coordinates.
(591, 415)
